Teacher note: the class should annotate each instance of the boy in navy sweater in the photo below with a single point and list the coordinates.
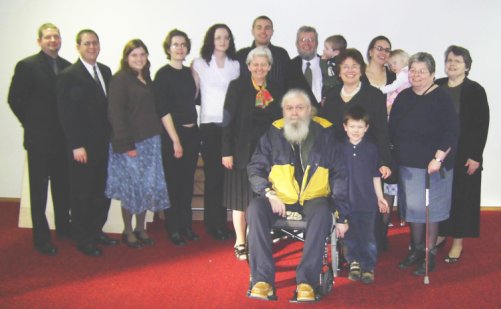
(365, 194)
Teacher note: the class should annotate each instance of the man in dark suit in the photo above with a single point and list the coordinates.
(82, 103)
(304, 72)
(262, 31)
(32, 98)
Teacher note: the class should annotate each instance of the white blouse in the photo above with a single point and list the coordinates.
(214, 83)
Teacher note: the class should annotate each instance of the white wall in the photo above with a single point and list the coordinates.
(424, 25)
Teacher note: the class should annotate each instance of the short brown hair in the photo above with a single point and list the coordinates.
(46, 26)
(168, 41)
(84, 31)
(353, 54)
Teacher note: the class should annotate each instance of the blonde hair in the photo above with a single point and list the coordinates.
(402, 54)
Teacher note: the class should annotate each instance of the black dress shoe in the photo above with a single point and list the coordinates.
(46, 248)
(414, 257)
(219, 233)
(90, 250)
(190, 234)
(136, 244)
(421, 269)
(105, 240)
(177, 239)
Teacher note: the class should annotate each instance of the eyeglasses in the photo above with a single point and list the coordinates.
(381, 48)
(90, 43)
(418, 72)
(177, 45)
(307, 40)
(346, 67)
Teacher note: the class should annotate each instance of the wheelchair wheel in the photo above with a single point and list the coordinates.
(327, 282)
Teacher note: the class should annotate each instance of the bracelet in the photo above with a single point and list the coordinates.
(270, 193)
(438, 160)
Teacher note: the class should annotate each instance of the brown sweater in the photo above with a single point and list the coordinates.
(131, 111)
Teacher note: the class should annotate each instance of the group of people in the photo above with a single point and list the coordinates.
(311, 135)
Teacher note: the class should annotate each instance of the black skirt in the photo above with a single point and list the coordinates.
(464, 220)
(237, 192)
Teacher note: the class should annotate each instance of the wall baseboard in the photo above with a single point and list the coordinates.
(10, 200)
(197, 208)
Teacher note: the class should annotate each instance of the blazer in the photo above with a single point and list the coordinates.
(32, 98)
(294, 79)
(473, 121)
(239, 135)
(83, 107)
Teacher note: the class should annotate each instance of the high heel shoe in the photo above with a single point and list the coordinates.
(136, 244)
(241, 252)
(452, 260)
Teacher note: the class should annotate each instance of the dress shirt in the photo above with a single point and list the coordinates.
(90, 68)
(316, 83)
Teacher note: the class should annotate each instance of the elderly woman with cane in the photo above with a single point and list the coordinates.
(424, 129)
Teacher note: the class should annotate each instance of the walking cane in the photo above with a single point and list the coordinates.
(427, 202)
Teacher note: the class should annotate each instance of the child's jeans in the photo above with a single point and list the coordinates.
(360, 241)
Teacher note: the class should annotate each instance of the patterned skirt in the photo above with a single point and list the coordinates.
(139, 183)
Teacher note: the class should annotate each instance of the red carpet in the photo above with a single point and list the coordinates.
(205, 274)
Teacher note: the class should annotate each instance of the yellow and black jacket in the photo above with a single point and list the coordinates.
(272, 167)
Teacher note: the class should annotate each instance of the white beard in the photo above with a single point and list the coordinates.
(296, 132)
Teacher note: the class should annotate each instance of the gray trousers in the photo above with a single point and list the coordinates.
(260, 218)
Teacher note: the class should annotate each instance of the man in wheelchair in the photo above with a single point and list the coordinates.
(297, 166)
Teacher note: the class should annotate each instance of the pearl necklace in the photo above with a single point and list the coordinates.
(354, 92)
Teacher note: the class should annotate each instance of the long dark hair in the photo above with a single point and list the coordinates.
(373, 43)
(124, 64)
(208, 47)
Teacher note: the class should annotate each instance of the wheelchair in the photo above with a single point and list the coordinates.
(293, 228)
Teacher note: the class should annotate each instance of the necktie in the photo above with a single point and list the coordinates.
(307, 74)
(96, 78)
(55, 68)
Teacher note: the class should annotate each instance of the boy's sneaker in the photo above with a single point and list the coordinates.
(367, 277)
(354, 274)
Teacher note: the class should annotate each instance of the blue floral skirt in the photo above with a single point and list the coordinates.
(138, 182)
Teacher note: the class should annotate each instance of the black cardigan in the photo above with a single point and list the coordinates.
(473, 121)
(239, 137)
